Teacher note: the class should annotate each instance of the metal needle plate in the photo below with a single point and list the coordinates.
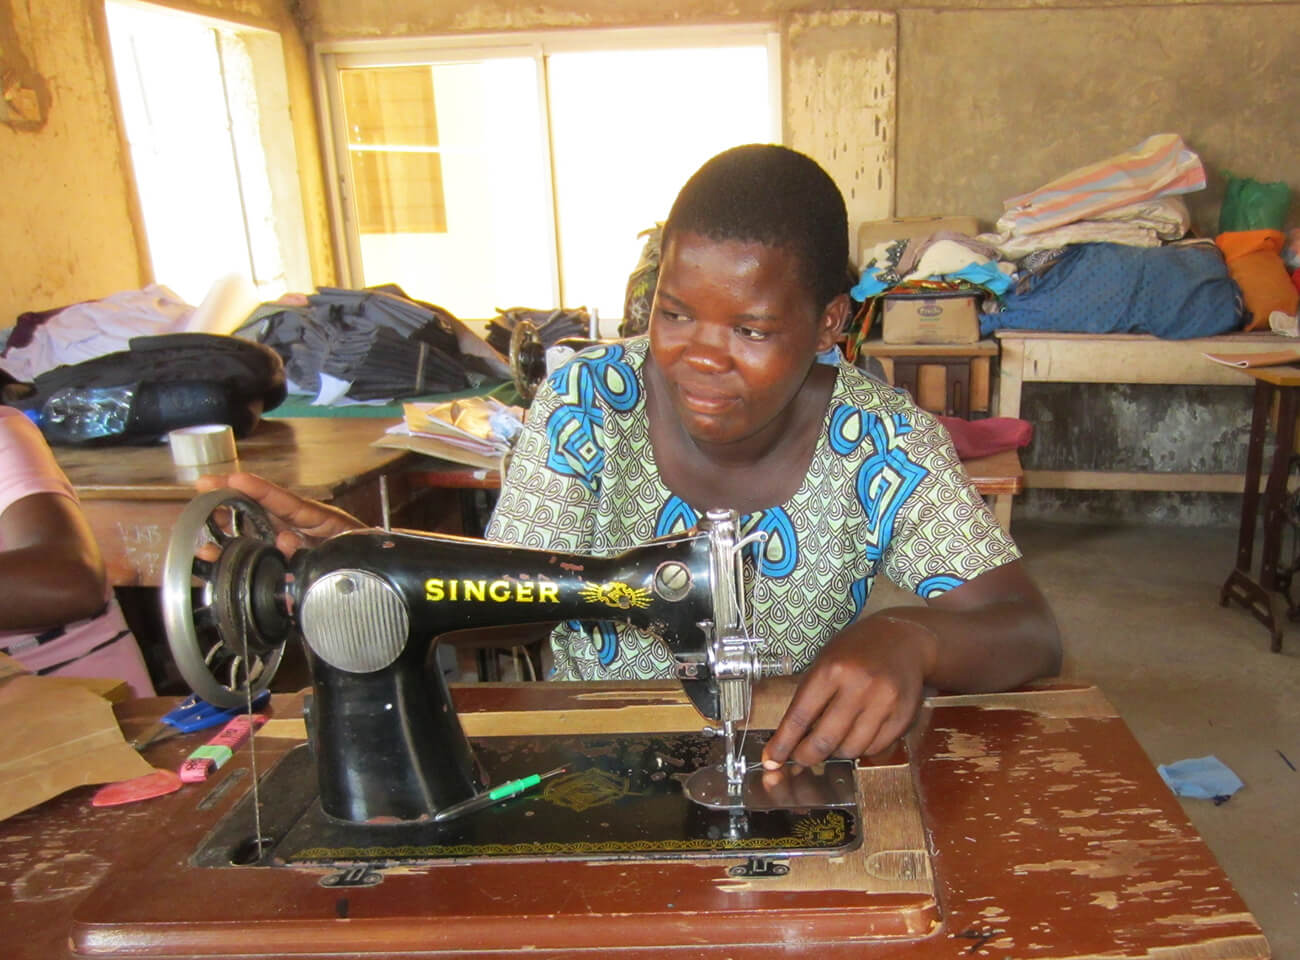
(830, 786)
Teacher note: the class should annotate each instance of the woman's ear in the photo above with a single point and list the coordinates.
(833, 320)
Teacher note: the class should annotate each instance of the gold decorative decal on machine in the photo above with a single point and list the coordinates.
(438, 590)
(825, 830)
(617, 594)
(589, 788)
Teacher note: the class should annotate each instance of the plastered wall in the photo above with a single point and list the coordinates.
(71, 229)
(68, 226)
(838, 102)
(995, 102)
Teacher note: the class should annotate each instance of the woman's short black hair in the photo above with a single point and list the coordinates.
(764, 193)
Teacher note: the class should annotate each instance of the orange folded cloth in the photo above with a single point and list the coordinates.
(1254, 259)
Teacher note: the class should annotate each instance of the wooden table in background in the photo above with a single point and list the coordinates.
(1265, 597)
(133, 495)
(951, 379)
(1045, 356)
(1043, 832)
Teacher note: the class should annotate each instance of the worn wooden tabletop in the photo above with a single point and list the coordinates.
(318, 457)
(1044, 832)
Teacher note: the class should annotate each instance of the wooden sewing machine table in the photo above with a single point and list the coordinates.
(1027, 825)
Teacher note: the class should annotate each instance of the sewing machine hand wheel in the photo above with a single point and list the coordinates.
(225, 615)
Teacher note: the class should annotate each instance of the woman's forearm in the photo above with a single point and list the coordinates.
(995, 647)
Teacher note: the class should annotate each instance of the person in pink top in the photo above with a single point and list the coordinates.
(57, 611)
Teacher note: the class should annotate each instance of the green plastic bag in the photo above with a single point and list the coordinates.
(1251, 205)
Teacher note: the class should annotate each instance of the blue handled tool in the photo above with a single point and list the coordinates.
(193, 714)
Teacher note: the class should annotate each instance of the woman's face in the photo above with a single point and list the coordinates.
(734, 331)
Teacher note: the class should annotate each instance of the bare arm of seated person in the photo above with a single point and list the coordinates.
(865, 687)
(51, 571)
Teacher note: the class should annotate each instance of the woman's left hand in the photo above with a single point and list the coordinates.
(858, 697)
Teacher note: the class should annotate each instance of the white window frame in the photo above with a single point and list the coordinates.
(263, 49)
(331, 57)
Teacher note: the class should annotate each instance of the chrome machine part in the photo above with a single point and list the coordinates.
(732, 654)
(355, 620)
(830, 785)
(224, 598)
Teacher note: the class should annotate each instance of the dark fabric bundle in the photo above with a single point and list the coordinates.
(159, 384)
(385, 344)
(552, 325)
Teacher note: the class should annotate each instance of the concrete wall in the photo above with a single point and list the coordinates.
(70, 227)
(71, 224)
(996, 102)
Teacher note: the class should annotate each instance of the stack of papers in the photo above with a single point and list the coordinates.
(473, 430)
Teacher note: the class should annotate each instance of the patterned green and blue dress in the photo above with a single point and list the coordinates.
(885, 493)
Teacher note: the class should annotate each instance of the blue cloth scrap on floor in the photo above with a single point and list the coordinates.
(1202, 777)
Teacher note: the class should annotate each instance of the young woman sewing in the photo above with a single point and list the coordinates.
(726, 405)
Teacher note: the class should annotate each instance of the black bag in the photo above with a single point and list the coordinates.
(159, 384)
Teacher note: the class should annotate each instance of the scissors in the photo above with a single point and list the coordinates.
(193, 714)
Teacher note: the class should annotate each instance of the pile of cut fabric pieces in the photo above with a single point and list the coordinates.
(372, 345)
(1102, 249)
(129, 368)
(551, 325)
(943, 263)
(43, 340)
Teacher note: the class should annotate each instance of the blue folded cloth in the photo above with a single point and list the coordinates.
(1206, 778)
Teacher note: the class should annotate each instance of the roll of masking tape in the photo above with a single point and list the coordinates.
(201, 445)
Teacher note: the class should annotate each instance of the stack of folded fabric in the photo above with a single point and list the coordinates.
(1101, 250)
(551, 325)
(944, 261)
(371, 344)
(1132, 198)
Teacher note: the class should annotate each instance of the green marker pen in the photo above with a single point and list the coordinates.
(509, 789)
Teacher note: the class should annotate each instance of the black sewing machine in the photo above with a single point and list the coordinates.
(386, 745)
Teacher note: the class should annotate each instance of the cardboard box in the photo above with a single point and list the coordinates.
(930, 318)
(872, 232)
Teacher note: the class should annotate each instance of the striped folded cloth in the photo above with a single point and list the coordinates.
(1159, 166)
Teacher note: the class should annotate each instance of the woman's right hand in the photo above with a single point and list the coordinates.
(300, 522)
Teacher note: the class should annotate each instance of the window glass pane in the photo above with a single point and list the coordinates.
(449, 179)
(392, 132)
(390, 107)
(177, 122)
(627, 129)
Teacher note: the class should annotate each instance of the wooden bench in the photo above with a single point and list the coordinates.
(1049, 357)
(999, 476)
